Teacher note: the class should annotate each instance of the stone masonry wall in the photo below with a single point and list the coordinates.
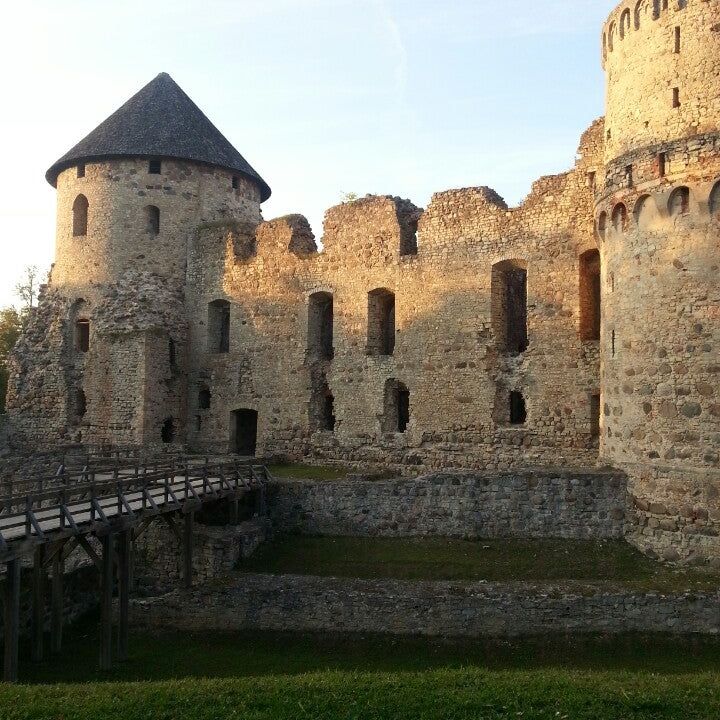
(532, 504)
(313, 604)
(447, 348)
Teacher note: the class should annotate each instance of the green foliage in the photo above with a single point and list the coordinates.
(10, 327)
(349, 197)
(27, 288)
(582, 561)
(279, 676)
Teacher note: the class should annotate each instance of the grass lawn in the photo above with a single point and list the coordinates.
(492, 560)
(308, 472)
(282, 676)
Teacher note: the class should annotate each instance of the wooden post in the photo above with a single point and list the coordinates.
(106, 594)
(56, 602)
(38, 614)
(188, 548)
(12, 620)
(124, 549)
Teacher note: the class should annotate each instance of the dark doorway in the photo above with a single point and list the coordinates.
(167, 432)
(245, 427)
(518, 410)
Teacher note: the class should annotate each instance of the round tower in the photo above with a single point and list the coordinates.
(108, 359)
(658, 220)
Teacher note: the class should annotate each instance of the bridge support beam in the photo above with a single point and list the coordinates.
(106, 595)
(56, 601)
(188, 548)
(38, 607)
(12, 620)
(124, 551)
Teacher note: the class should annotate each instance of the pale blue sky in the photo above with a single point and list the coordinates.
(402, 97)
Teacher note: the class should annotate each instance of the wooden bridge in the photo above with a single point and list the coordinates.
(113, 498)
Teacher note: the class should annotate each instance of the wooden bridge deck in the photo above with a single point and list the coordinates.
(113, 500)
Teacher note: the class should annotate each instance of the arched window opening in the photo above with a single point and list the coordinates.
(518, 410)
(645, 212)
(604, 46)
(80, 216)
(611, 37)
(204, 397)
(152, 220)
(590, 296)
(396, 407)
(80, 407)
(219, 327)
(656, 9)
(679, 202)
(638, 13)
(320, 325)
(625, 23)
(595, 416)
(620, 218)
(381, 323)
(715, 202)
(509, 312)
(602, 225)
(167, 432)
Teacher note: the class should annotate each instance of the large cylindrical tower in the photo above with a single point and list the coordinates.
(106, 358)
(658, 218)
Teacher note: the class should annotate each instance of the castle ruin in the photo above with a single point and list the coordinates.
(579, 329)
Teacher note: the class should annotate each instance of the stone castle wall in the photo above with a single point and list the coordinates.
(447, 349)
(544, 504)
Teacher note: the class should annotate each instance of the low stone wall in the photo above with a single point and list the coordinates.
(295, 603)
(563, 504)
(216, 552)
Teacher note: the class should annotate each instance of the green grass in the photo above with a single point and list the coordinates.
(181, 676)
(308, 472)
(492, 560)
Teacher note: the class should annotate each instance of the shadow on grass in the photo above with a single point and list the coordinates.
(175, 655)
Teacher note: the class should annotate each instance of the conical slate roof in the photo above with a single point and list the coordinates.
(160, 121)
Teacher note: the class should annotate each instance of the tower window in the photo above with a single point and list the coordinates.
(235, 182)
(219, 326)
(590, 295)
(677, 40)
(172, 353)
(662, 164)
(80, 216)
(381, 322)
(518, 410)
(167, 432)
(80, 404)
(82, 335)
(629, 176)
(613, 342)
(155, 167)
(81, 170)
(676, 97)
(204, 397)
(320, 325)
(595, 416)
(152, 220)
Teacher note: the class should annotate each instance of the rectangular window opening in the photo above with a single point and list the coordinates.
(662, 164)
(518, 410)
(676, 97)
(629, 176)
(595, 416)
(677, 40)
(155, 167)
(82, 335)
(81, 170)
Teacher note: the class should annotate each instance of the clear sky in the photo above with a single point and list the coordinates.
(322, 97)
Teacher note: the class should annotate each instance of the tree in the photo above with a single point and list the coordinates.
(10, 327)
(349, 197)
(27, 288)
